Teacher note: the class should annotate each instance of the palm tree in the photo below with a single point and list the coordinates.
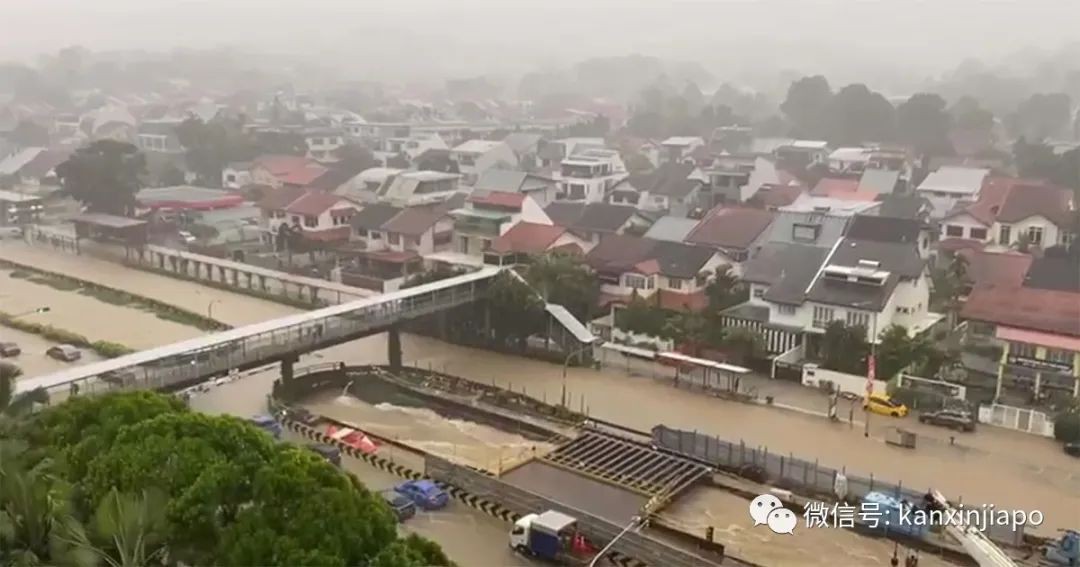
(12, 405)
(129, 528)
(724, 290)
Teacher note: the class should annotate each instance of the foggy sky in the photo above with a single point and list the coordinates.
(493, 36)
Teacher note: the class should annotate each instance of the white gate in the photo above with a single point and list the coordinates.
(1020, 419)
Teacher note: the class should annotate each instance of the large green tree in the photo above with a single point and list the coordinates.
(16, 405)
(844, 348)
(806, 104)
(725, 290)
(104, 176)
(515, 312)
(566, 280)
(923, 122)
(1042, 116)
(857, 115)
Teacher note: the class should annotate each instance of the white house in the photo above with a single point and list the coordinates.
(588, 175)
(1011, 209)
(477, 156)
(798, 290)
(487, 215)
(319, 215)
(674, 187)
(679, 148)
(418, 187)
(947, 186)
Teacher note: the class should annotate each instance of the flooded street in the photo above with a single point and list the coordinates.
(817, 547)
(94, 319)
(1011, 470)
(457, 440)
(33, 360)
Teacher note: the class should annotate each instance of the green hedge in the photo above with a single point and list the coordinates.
(104, 348)
(1067, 426)
(258, 294)
(114, 296)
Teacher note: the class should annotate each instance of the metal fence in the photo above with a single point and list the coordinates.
(597, 530)
(801, 476)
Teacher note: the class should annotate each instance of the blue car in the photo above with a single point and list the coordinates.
(268, 424)
(424, 493)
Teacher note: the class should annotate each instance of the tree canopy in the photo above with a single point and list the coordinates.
(564, 279)
(844, 348)
(1042, 116)
(923, 122)
(806, 104)
(104, 176)
(212, 145)
(135, 478)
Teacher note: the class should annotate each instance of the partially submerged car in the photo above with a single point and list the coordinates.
(953, 418)
(9, 349)
(66, 353)
(402, 505)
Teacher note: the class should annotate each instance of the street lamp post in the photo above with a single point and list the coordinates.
(634, 522)
(566, 365)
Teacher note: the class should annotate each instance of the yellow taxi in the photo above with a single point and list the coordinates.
(882, 404)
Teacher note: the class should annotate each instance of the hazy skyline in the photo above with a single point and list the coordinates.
(410, 38)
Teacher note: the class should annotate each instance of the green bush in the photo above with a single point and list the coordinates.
(47, 331)
(110, 349)
(55, 283)
(1067, 425)
(19, 275)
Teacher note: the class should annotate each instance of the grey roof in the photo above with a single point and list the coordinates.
(884, 229)
(880, 181)
(511, 180)
(1060, 273)
(670, 179)
(790, 267)
(373, 216)
(903, 206)
(830, 227)
(900, 260)
(671, 228)
(596, 217)
(522, 141)
(620, 253)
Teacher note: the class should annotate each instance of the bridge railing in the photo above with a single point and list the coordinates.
(222, 356)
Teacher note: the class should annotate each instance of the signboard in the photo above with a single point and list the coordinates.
(1036, 364)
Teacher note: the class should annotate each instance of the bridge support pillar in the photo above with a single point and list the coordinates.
(262, 283)
(287, 368)
(221, 274)
(393, 347)
(314, 294)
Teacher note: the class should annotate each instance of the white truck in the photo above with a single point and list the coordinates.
(551, 536)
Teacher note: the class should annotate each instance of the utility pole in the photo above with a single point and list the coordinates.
(871, 371)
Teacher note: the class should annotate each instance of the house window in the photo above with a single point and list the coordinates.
(702, 279)
(361, 233)
(296, 219)
(675, 283)
(758, 291)
(375, 235)
(1060, 356)
(1005, 235)
(822, 316)
(310, 221)
(1035, 235)
(954, 231)
(638, 282)
(279, 214)
(1022, 350)
(485, 244)
(858, 318)
(231, 178)
(393, 238)
(978, 233)
(786, 309)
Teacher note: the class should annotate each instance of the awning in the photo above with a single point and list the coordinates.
(568, 321)
(1038, 338)
(632, 351)
(704, 362)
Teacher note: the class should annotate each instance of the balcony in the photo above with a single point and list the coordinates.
(479, 222)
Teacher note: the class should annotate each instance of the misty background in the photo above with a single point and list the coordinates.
(896, 47)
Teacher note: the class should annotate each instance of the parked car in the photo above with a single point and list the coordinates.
(186, 236)
(1072, 448)
(9, 349)
(952, 418)
(329, 452)
(424, 493)
(268, 424)
(882, 404)
(402, 506)
(66, 353)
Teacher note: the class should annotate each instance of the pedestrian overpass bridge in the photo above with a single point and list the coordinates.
(282, 339)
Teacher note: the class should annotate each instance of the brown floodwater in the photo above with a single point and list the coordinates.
(1011, 470)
